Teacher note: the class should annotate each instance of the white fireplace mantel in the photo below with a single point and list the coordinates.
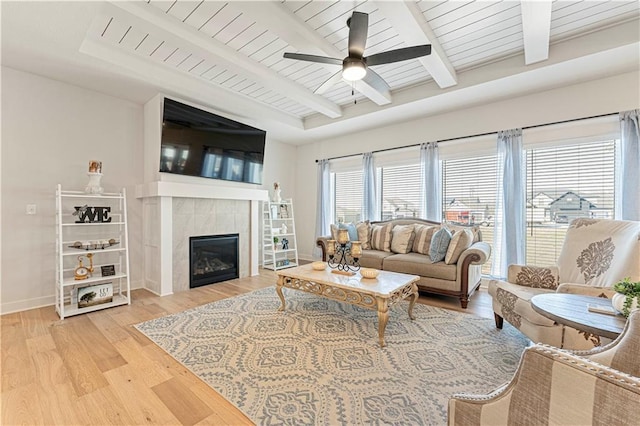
(158, 198)
(177, 189)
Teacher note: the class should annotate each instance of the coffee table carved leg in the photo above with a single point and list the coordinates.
(414, 298)
(279, 291)
(383, 318)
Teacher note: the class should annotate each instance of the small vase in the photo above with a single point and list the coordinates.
(617, 301)
(93, 187)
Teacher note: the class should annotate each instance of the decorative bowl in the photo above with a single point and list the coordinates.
(319, 266)
(369, 273)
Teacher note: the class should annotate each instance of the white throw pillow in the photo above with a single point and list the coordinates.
(402, 238)
(460, 241)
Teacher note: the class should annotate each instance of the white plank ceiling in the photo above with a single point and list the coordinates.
(239, 46)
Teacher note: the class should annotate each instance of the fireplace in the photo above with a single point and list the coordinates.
(213, 258)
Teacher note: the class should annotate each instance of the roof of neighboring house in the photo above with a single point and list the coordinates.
(591, 205)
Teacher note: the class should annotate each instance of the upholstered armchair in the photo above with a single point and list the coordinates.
(553, 386)
(596, 254)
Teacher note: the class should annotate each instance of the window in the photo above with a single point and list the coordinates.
(564, 183)
(348, 193)
(469, 194)
(570, 174)
(400, 191)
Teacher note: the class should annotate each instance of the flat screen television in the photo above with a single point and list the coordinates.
(199, 143)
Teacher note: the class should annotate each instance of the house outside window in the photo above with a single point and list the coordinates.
(400, 191)
(469, 194)
(565, 183)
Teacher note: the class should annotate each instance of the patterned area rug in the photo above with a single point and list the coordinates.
(319, 362)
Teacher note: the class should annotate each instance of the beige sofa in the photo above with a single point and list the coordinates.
(459, 279)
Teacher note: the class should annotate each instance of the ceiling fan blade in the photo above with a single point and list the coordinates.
(374, 80)
(313, 58)
(324, 87)
(398, 55)
(358, 29)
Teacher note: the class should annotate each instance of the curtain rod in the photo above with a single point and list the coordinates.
(476, 135)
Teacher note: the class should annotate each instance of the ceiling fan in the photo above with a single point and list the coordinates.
(356, 66)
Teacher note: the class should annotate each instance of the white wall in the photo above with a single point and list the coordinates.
(50, 131)
(603, 96)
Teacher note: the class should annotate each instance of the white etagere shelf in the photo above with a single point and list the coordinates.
(274, 215)
(94, 234)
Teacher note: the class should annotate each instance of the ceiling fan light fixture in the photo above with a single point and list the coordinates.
(353, 71)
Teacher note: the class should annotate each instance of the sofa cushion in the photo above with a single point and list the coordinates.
(334, 231)
(373, 258)
(402, 238)
(351, 229)
(419, 264)
(460, 241)
(422, 238)
(600, 252)
(515, 302)
(439, 245)
(381, 237)
(475, 231)
(364, 234)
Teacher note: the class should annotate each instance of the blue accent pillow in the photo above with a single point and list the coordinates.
(439, 245)
(351, 229)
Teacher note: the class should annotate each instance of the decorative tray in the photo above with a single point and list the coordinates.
(94, 245)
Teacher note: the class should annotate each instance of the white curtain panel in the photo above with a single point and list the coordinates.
(509, 238)
(628, 185)
(369, 199)
(324, 212)
(431, 190)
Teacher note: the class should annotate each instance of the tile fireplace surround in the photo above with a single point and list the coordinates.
(173, 212)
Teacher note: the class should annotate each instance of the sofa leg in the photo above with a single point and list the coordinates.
(464, 301)
(499, 320)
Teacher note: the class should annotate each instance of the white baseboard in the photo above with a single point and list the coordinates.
(26, 304)
(39, 302)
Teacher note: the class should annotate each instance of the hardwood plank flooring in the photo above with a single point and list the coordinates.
(98, 369)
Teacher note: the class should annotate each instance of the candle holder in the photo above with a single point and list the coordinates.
(343, 257)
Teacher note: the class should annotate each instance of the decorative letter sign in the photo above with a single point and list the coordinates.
(92, 214)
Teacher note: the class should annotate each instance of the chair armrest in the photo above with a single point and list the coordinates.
(586, 290)
(480, 252)
(322, 243)
(547, 373)
(534, 276)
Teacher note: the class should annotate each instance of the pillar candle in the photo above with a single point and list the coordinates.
(356, 249)
(343, 236)
(331, 247)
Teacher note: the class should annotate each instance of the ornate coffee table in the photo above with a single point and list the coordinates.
(377, 294)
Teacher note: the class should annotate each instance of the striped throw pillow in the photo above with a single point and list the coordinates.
(460, 241)
(422, 240)
(402, 238)
(364, 234)
(381, 237)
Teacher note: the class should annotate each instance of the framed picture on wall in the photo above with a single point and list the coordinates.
(284, 211)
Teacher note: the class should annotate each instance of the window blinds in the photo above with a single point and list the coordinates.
(563, 183)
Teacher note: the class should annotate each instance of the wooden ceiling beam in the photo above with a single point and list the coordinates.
(286, 25)
(536, 27)
(407, 19)
(237, 62)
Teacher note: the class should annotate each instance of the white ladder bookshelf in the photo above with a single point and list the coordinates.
(92, 251)
(274, 254)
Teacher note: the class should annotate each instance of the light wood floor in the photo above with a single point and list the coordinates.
(96, 369)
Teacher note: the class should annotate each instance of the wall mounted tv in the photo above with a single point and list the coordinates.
(198, 143)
